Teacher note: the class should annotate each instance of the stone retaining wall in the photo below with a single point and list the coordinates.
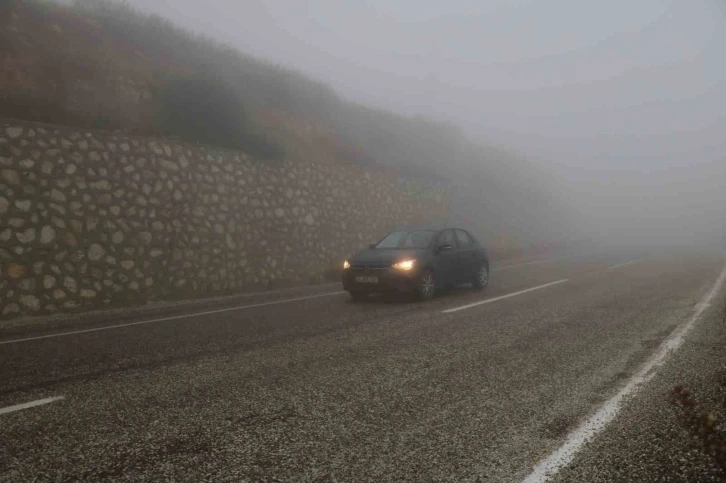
(90, 219)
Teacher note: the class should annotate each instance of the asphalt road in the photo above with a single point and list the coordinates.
(304, 385)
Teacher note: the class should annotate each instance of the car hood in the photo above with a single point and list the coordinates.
(384, 256)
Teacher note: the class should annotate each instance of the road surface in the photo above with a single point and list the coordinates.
(305, 385)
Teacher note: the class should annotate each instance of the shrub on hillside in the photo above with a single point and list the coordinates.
(144, 47)
(31, 107)
(203, 110)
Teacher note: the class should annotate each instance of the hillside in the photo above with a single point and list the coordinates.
(100, 64)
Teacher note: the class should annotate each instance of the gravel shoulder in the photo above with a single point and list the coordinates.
(674, 428)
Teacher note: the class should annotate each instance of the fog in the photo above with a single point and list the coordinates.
(624, 103)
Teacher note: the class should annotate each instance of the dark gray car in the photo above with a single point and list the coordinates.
(419, 261)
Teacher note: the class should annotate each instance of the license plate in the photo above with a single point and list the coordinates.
(366, 279)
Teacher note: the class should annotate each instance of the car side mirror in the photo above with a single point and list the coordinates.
(443, 248)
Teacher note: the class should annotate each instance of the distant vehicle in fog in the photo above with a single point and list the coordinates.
(419, 261)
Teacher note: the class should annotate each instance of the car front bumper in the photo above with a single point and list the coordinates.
(388, 280)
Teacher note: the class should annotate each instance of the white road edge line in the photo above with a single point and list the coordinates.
(550, 466)
(625, 264)
(32, 404)
(166, 319)
(501, 297)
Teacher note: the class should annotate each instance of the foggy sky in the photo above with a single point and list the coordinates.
(625, 100)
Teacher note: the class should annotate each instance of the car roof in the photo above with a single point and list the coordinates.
(437, 229)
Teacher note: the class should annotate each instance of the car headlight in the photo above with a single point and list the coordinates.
(346, 265)
(404, 265)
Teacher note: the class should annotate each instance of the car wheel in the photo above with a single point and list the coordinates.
(481, 280)
(358, 296)
(426, 286)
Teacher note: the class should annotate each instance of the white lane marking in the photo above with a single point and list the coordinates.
(501, 297)
(32, 404)
(549, 467)
(166, 319)
(625, 264)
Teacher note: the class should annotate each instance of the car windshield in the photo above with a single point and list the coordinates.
(407, 239)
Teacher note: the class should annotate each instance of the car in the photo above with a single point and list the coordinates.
(420, 261)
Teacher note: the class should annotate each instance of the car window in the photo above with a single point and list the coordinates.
(418, 239)
(464, 238)
(447, 238)
(392, 240)
(407, 239)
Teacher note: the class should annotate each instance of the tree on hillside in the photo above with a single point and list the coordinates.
(204, 110)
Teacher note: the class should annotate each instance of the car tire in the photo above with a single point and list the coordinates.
(358, 296)
(426, 285)
(481, 279)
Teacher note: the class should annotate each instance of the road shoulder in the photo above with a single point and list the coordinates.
(674, 428)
